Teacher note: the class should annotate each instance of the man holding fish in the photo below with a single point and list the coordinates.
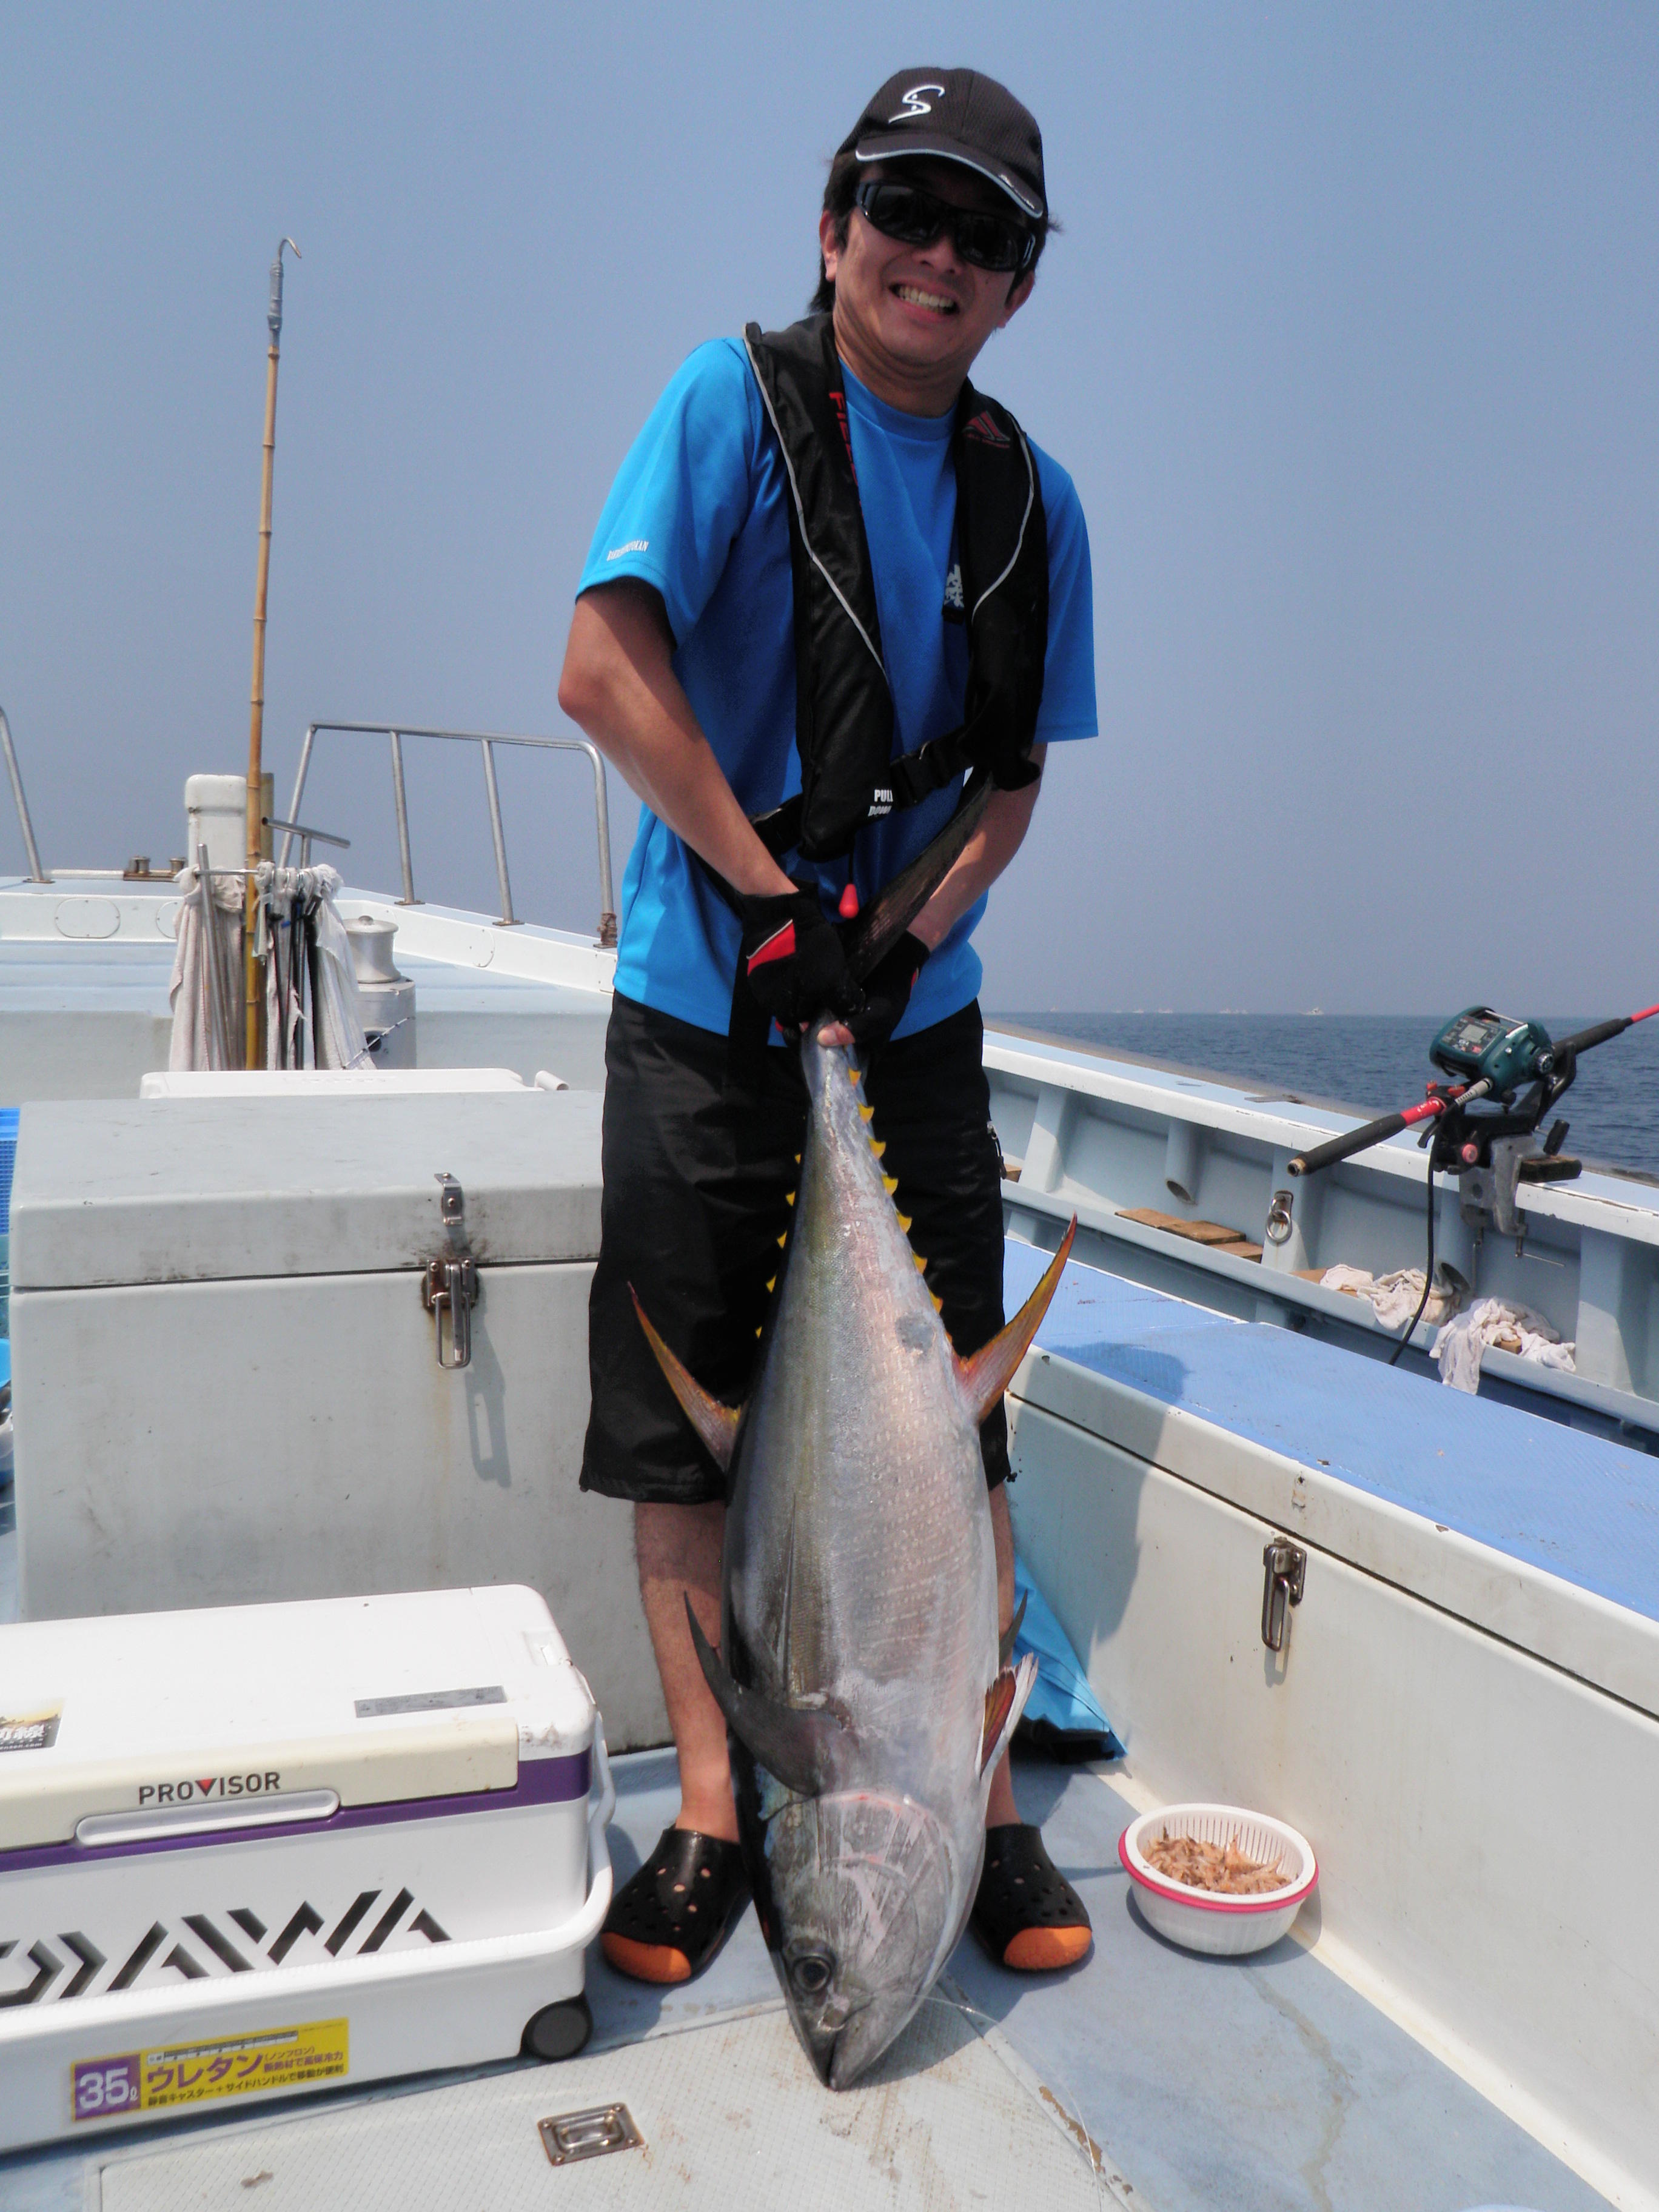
(833, 586)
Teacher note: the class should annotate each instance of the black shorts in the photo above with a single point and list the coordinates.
(694, 1204)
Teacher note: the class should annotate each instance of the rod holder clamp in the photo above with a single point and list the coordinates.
(1284, 1574)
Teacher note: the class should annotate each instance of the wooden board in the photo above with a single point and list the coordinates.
(1214, 1234)
(1200, 1232)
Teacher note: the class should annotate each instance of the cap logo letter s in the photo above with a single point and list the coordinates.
(915, 105)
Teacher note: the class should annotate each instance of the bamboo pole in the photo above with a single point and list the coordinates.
(255, 997)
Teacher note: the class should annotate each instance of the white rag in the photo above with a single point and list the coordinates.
(194, 1044)
(335, 1032)
(1512, 1328)
(1392, 1297)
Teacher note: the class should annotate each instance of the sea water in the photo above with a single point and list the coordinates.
(1376, 1063)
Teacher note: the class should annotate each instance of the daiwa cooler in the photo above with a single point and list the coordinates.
(259, 1850)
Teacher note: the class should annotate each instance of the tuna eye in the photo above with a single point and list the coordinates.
(810, 1973)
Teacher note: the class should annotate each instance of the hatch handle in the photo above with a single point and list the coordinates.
(449, 1285)
(1285, 1573)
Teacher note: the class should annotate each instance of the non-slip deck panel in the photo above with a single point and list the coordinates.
(1357, 2115)
(1546, 1495)
(729, 2115)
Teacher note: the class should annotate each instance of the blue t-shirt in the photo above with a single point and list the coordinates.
(698, 511)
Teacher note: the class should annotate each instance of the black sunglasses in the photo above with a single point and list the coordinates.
(916, 218)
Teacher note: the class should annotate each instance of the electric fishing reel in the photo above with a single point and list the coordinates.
(1504, 1077)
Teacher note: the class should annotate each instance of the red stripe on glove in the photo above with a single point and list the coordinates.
(780, 946)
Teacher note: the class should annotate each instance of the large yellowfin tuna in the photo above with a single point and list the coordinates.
(861, 1672)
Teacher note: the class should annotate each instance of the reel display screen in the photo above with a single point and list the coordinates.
(1470, 1035)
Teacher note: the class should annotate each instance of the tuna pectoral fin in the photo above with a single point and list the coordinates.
(986, 1374)
(715, 1424)
(1004, 1701)
(796, 1744)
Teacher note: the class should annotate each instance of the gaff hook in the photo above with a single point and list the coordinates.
(275, 317)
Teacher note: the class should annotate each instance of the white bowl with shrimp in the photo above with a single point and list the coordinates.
(1210, 1920)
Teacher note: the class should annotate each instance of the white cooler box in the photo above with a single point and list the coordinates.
(257, 1849)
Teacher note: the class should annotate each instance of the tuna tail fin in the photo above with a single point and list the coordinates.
(986, 1374)
(796, 1744)
(891, 913)
(1004, 1701)
(715, 1424)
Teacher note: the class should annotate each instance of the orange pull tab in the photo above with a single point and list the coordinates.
(849, 903)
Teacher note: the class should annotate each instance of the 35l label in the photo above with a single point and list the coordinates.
(187, 2073)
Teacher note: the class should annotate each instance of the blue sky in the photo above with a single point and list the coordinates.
(1351, 342)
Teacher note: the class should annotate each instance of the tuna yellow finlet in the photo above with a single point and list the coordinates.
(939, 1302)
(789, 1197)
(854, 1074)
(890, 1184)
(878, 1145)
(905, 1222)
(773, 1284)
(920, 1263)
(783, 1240)
(868, 1112)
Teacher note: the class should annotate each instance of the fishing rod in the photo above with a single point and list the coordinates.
(1515, 1074)
(253, 992)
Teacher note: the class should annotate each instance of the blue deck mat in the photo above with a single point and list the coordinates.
(1553, 1496)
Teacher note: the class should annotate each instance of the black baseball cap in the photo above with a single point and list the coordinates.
(956, 115)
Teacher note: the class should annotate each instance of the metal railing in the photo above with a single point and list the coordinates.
(308, 837)
(37, 873)
(486, 741)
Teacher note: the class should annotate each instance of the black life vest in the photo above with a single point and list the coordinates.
(843, 701)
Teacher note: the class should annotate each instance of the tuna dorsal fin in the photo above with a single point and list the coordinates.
(1005, 1645)
(1004, 1701)
(988, 1372)
(796, 1744)
(715, 1424)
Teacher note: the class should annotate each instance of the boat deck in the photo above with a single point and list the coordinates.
(1260, 2083)
(1255, 2085)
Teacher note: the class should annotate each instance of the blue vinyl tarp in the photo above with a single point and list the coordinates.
(1062, 1715)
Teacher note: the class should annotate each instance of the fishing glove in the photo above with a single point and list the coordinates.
(887, 991)
(792, 960)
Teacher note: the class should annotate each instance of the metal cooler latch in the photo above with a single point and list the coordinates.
(449, 1285)
(1285, 1573)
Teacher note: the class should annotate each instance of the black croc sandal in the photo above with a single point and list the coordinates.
(666, 1924)
(1027, 1915)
